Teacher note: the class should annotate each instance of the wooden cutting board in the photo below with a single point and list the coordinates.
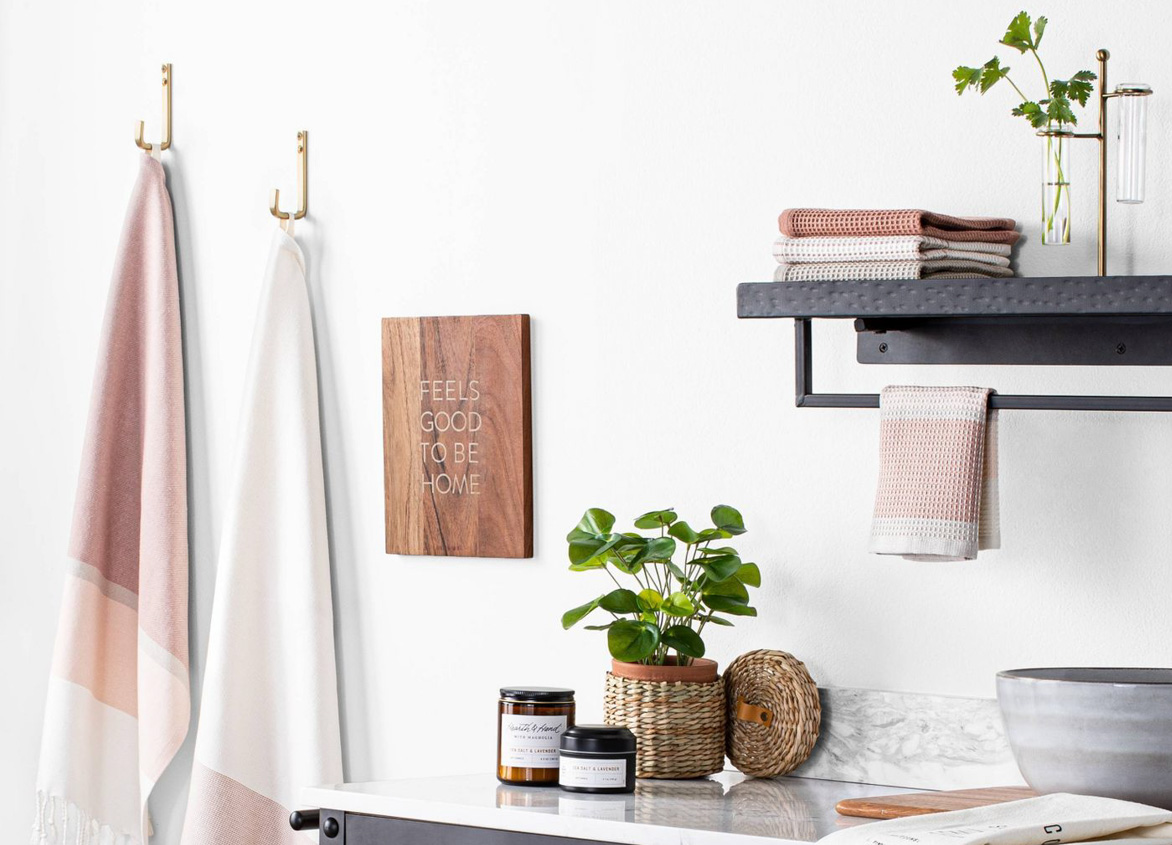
(921, 803)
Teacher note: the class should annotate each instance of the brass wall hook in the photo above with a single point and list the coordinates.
(165, 143)
(302, 183)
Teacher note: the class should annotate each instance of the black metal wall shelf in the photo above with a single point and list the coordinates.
(1096, 320)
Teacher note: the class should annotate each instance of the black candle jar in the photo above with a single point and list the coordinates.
(598, 759)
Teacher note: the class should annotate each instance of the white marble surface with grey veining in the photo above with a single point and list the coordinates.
(726, 809)
(911, 739)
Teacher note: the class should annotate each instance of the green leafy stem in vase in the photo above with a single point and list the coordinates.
(669, 604)
(1053, 112)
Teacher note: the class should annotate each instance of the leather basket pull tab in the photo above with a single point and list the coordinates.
(752, 713)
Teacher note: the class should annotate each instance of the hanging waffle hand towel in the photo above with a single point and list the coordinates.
(1060, 817)
(937, 498)
(119, 697)
(268, 722)
(805, 222)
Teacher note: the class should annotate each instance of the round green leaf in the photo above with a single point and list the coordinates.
(716, 620)
(658, 550)
(723, 550)
(728, 518)
(678, 604)
(749, 574)
(620, 601)
(650, 600)
(588, 549)
(720, 567)
(656, 519)
(730, 587)
(729, 605)
(593, 523)
(710, 534)
(684, 640)
(632, 641)
(572, 617)
(684, 533)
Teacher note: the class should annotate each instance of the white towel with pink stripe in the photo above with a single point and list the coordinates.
(268, 724)
(937, 498)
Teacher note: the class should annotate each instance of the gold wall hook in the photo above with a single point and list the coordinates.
(165, 143)
(302, 183)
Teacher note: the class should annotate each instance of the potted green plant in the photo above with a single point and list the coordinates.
(661, 685)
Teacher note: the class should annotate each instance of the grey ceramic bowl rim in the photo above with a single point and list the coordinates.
(1043, 675)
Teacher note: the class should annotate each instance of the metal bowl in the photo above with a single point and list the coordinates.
(1092, 731)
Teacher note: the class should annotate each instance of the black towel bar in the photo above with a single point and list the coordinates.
(807, 398)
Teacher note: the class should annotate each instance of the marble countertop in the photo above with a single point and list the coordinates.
(725, 809)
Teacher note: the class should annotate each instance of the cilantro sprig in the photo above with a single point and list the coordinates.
(1056, 109)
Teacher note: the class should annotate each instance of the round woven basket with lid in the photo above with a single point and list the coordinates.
(773, 713)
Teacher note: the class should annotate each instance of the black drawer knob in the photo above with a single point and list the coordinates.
(304, 819)
(330, 827)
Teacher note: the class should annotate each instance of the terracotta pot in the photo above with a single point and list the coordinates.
(701, 671)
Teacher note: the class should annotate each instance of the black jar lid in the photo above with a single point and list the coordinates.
(598, 739)
(538, 694)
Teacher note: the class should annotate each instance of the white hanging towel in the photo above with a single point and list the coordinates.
(119, 701)
(268, 724)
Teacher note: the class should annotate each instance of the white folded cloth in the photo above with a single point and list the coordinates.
(889, 248)
(1058, 818)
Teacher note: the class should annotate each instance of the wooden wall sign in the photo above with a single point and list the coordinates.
(457, 445)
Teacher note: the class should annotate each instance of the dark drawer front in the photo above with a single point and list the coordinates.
(357, 829)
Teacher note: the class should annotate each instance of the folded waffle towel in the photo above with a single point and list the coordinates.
(844, 271)
(937, 496)
(1060, 817)
(118, 702)
(803, 222)
(268, 724)
(893, 248)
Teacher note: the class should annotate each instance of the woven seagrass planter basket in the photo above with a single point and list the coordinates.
(679, 724)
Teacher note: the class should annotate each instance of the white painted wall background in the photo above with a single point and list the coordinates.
(613, 169)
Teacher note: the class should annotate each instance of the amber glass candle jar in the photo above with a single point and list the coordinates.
(530, 724)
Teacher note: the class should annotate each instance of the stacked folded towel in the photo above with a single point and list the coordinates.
(819, 244)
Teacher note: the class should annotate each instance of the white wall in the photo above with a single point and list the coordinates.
(613, 169)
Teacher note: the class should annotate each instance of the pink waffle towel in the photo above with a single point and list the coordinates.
(937, 498)
(804, 222)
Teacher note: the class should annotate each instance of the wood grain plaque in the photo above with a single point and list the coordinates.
(457, 444)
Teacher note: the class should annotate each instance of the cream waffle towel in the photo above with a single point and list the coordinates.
(119, 698)
(895, 248)
(937, 496)
(269, 722)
